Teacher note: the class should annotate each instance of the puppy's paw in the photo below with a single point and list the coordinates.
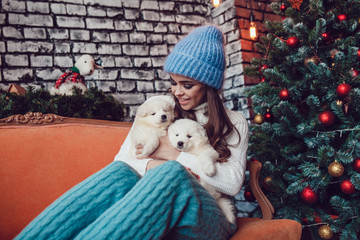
(144, 154)
(208, 168)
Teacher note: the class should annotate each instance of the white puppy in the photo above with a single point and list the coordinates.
(152, 120)
(189, 136)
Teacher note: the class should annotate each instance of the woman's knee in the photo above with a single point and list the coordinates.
(121, 168)
(169, 171)
(173, 168)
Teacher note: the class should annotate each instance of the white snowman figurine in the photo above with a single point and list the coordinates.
(84, 66)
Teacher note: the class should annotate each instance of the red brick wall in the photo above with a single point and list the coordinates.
(262, 12)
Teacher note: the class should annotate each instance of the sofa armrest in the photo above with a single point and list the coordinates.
(44, 155)
(267, 208)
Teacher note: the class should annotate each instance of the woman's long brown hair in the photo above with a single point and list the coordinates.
(218, 126)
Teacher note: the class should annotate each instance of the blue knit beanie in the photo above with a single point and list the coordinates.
(199, 55)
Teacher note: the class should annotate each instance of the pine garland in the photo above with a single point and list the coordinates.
(92, 104)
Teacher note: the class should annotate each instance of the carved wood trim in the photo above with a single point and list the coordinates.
(33, 118)
(266, 207)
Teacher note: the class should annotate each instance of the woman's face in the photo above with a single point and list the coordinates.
(189, 92)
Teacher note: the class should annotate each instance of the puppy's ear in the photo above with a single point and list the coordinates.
(141, 111)
(201, 131)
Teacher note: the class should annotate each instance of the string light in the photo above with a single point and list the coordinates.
(216, 3)
(253, 30)
(252, 27)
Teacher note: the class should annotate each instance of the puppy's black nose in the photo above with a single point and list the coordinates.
(163, 117)
(180, 144)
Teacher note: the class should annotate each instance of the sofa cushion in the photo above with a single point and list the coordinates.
(259, 229)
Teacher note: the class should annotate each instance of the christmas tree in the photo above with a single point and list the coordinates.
(306, 129)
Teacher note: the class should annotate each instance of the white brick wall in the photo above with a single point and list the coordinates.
(40, 40)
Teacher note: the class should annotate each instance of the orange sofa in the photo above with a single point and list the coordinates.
(44, 155)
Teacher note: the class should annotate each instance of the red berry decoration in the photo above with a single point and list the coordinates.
(249, 196)
(327, 38)
(327, 118)
(326, 35)
(283, 7)
(356, 165)
(284, 94)
(263, 67)
(268, 117)
(292, 42)
(342, 17)
(308, 195)
(347, 187)
(343, 90)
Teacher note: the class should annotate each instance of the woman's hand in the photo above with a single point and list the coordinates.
(165, 150)
(192, 173)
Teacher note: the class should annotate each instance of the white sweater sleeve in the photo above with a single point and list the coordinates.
(123, 155)
(230, 175)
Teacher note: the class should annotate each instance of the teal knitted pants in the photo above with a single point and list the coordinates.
(115, 203)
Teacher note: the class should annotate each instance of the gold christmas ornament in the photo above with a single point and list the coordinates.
(336, 169)
(333, 53)
(325, 232)
(312, 59)
(258, 119)
(268, 181)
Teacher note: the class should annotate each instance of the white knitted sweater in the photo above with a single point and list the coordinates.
(229, 176)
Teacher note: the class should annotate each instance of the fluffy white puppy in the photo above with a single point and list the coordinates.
(152, 120)
(189, 136)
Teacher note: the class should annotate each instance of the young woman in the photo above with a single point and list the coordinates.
(158, 197)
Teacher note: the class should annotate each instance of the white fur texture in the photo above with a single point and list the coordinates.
(66, 88)
(152, 120)
(189, 136)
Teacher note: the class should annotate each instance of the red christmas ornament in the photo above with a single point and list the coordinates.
(354, 72)
(347, 187)
(292, 42)
(249, 196)
(356, 165)
(308, 195)
(327, 118)
(268, 117)
(284, 94)
(358, 53)
(342, 17)
(283, 7)
(343, 90)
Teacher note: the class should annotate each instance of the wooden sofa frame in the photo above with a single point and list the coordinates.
(35, 171)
